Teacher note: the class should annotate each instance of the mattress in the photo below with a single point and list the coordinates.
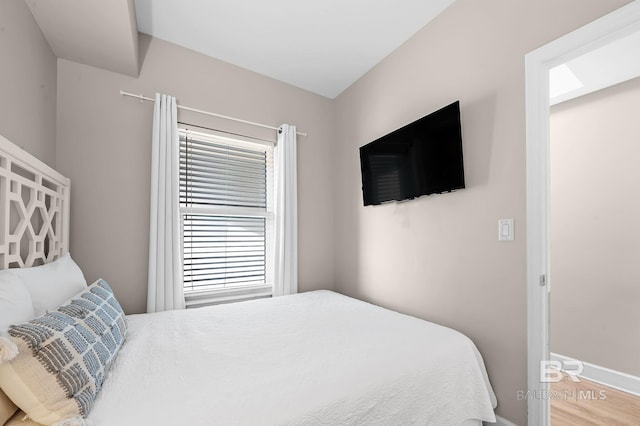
(316, 358)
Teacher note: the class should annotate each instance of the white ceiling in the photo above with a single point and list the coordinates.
(611, 64)
(321, 46)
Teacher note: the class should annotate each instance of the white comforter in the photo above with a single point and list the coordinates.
(315, 358)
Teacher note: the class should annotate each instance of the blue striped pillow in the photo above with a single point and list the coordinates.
(64, 356)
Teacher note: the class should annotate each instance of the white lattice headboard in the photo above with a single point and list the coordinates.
(34, 209)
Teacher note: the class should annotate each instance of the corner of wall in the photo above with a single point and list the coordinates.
(28, 83)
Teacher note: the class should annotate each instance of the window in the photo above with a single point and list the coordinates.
(226, 204)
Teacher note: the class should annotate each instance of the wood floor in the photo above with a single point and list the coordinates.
(591, 404)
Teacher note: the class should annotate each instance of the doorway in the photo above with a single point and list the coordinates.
(615, 26)
(595, 247)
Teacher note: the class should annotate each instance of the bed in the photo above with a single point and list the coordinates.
(315, 358)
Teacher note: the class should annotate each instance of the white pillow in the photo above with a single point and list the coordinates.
(15, 301)
(15, 307)
(7, 408)
(52, 284)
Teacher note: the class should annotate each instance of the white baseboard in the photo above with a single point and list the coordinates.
(500, 421)
(605, 376)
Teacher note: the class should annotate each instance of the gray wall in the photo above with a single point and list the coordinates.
(104, 145)
(438, 257)
(27, 83)
(595, 232)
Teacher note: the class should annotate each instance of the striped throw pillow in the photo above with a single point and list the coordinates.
(64, 356)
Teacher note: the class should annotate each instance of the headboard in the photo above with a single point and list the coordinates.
(34, 209)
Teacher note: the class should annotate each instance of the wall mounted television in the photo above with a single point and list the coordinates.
(421, 158)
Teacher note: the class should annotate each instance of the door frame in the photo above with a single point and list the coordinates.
(615, 25)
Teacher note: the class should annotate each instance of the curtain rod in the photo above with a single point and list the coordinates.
(226, 117)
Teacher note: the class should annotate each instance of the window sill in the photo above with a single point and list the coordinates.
(196, 299)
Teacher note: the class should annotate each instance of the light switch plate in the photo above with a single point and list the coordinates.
(505, 230)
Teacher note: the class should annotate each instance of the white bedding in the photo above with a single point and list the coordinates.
(316, 358)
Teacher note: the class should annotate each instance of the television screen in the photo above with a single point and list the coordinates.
(421, 158)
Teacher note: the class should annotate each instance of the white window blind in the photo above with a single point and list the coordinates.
(226, 203)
